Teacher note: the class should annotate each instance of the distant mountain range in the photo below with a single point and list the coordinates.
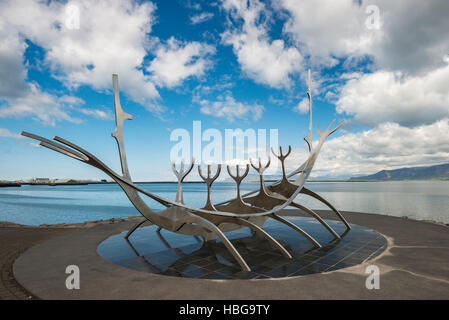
(438, 172)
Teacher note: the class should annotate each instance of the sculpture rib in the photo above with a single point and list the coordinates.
(295, 227)
(320, 198)
(209, 225)
(135, 227)
(316, 216)
(268, 200)
(261, 232)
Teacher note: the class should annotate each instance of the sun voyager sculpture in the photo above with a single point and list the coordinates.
(246, 210)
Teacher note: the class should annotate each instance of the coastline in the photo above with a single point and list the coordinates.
(93, 223)
(15, 185)
(77, 225)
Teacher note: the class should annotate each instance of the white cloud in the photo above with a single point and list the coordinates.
(412, 37)
(40, 106)
(416, 35)
(201, 17)
(265, 61)
(230, 109)
(5, 133)
(387, 146)
(303, 106)
(404, 100)
(12, 71)
(177, 61)
(326, 29)
(391, 96)
(99, 114)
(111, 39)
(19, 98)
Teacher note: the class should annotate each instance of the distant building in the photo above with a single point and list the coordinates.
(61, 180)
(42, 180)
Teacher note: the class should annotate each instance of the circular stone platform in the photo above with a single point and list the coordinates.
(163, 252)
(413, 266)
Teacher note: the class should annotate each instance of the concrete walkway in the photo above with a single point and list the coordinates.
(414, 266)
(13, 242)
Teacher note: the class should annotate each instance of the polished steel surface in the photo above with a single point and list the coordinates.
(238, 205)
(158, 251)
(181, 175)
(209, 181)
(212, 220)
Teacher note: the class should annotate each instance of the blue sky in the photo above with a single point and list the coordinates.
(230, 64)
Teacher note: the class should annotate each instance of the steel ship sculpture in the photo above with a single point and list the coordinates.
(246, 210)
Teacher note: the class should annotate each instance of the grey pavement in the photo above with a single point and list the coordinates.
(414, 266)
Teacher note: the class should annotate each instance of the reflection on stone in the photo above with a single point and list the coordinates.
(162, 252)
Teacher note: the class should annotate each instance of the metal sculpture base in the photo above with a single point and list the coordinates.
(161, 252)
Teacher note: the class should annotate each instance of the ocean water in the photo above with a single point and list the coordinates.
(35, 205)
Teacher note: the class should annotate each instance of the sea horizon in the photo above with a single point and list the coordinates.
(44, 204)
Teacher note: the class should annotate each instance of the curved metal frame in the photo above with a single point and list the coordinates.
(207, 222)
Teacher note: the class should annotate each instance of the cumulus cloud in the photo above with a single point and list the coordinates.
(202, 17)
(391, 96)
(415, 37)
(227, 107)
(387, 146)
(404, 99)
(5, 133)
(265, 61)
(303, 106)
(40, 106)
(177, 61)
(111, 38)
(326, 29)
(19, 98)
(99, 114)
(412, 36)
(12, 72)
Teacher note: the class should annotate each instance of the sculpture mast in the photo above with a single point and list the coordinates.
(120, 116)
(308, 138)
